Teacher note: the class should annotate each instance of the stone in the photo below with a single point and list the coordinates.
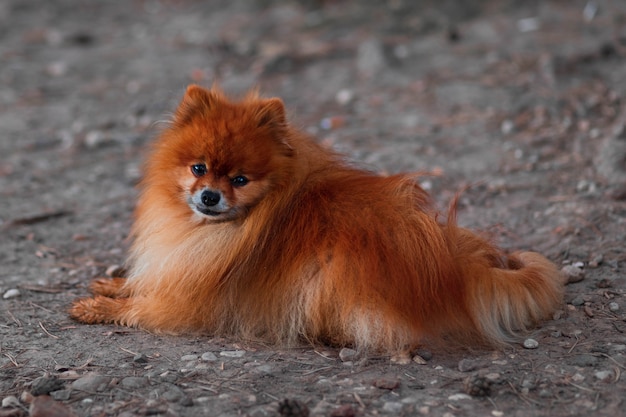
(44, 385)
(140, 358)
(572, 273)
(91, 382)
(134, 382)
(208, 357)
(10, 402)
(233, 353)
(603, 375)
(11, 293)
(189, 358)
(393, 407)
(531, 344)
(459, 397)
(347, 354)
(468, 365)
(387, 383)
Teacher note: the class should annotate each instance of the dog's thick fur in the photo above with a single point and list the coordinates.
(293, 244)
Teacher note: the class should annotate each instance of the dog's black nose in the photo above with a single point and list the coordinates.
(210, 198)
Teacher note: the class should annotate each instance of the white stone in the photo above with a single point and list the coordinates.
(12, 293)
(233, 353)
(531, 344)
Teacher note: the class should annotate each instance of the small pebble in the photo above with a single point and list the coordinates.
(419, 360)
(189, 358)
(507, 127)
(45, 385)
(347, 354)
(10, 402)
(387, 383)
(596, 261)
(208, 357)
(468, 365)
(572, 273)
(577, 301)
(344, 96)
(134, 382)
(233, 353)
(458, 397)
(613, 306)
(12, 293)
(91, 382)
(603, 375)
(531, 344)
(140, 358)
(61, 395)
(394, 407)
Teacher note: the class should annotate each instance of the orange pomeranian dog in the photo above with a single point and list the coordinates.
(248, 228)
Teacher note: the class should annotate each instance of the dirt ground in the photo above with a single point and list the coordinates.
(523, 103)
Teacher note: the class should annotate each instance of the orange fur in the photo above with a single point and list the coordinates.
(272, 236)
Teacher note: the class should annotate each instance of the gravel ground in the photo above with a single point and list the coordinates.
(522, 104)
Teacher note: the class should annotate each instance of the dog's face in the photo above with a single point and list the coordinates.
(228, 155)
(216, 196)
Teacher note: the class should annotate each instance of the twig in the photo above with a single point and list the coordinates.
(524, 398)
(574, 345)
(37, 218)
(358, 399)
(323, 356)
(47, 332)
(19, 324)
(12, 359)
(206, 388)
(41, 307)
(39, 288)
(581, 387)
(495, 406)
(128, 351)
(271, 396)
(316, 370)
(612, 360)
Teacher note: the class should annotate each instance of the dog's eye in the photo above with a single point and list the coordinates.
(198, 170)
(239, 181)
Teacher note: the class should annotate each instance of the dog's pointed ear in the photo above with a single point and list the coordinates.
(196, 99)
(272, 113)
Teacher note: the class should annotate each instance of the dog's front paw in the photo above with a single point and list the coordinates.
(98, 309)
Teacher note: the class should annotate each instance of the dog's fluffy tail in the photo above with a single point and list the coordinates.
(507, 301)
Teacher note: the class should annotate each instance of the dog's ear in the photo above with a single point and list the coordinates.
(196, 100)
(272, 113)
